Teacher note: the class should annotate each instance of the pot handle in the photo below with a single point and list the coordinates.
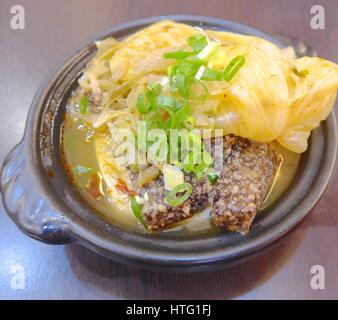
(25, 203)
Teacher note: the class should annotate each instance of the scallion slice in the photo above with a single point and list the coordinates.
(211, 75)
(177, 55)
(166, 101)
(173, 199)
(197, 42)
(208, 50)
(187, 69)
(83, 105)
(137, 210)
(182, 85)
(180, 116)
(167, 104)
(233, 67)
(200, 72)
(188, 162)
(155, 88)
(142, 104)
(207, 158)
(213, 178)
(199, 170)
(195, 60)
(195, 140)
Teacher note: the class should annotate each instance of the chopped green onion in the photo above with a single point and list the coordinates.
(173, 199)
(142, 105)
(195, 141)
(190, 141)
(199, 170)
(155, 88)
(188, 162)
(209, 50)
(137, 210)
(158, 151)
(190, 122)
(82, 170)
(150, 123)
(177, 55)
(187, 69)
(166, 101)
(151, 98)
(169, 70)
(233, 67)
(83, 105)
(207, 158)
(182, 85)
(200, 72)
(174, 147)
(167, 104)
(178, 164)
(195, 60)
(180, 116)
(213, 178)
(211, 75)
(159, 122)
(197, 42)
(197, 161)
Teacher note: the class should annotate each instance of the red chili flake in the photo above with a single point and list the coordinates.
(123, 188)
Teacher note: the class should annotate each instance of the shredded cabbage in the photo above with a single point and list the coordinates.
(274, 96)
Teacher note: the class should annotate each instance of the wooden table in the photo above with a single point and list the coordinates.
(73, 272)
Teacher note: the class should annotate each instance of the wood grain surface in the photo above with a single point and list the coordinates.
(73, 272)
